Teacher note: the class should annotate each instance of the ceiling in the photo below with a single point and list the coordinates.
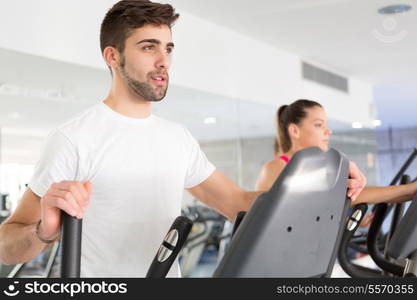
(347, 35)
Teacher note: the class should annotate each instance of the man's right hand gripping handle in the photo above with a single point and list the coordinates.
(69, 196)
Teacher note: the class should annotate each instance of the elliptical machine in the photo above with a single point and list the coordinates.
(294, 229)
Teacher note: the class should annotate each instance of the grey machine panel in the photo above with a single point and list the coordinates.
(294, 229)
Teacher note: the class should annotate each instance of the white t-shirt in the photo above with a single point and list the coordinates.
(138, 168)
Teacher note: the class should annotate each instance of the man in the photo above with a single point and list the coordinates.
(118, 166)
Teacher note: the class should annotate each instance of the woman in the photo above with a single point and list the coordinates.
(303, 124)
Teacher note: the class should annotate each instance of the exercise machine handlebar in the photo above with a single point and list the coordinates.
(170, 247)
(71, 246)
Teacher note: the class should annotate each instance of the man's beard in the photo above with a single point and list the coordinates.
(143, 89)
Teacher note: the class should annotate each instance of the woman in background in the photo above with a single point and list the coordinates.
(303, 124)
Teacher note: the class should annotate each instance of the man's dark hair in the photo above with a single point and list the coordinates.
(127, 15)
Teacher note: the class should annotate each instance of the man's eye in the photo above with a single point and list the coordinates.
(169, 50)
(149, 47)
(318, 125)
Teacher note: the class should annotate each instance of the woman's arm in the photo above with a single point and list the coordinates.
(392, 194)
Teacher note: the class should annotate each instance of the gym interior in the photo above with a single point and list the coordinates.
(235, 64)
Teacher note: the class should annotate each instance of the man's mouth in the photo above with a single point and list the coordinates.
(159, 79)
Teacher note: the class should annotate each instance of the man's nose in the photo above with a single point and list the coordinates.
(163, 61)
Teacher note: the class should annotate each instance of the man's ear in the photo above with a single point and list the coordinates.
(293, 131)
(111, 57)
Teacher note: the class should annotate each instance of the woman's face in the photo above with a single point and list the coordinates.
(313, 131)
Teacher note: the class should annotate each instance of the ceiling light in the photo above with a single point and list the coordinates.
(210, 120)
(394, 9)
(38, 133)
(20, 91)
(357, 125)
(376, 123)
(8, 89)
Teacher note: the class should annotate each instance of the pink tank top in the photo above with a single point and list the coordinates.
(284, 158)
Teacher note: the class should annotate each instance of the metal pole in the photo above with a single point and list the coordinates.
(404, 167)
(51, 259)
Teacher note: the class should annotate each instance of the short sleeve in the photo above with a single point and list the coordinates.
(59, 161)
(199, 168)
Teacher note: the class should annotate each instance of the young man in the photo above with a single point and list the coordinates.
(118, 166)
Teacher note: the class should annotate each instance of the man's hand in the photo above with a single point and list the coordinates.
(69, 196)
(356, 182)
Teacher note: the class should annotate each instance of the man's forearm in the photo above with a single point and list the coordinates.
(242, 201)
(250, 197)
(19, 243)
(247, 199)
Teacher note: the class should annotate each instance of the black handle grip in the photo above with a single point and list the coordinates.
(352, 225)
(170, 247)
(71, 246)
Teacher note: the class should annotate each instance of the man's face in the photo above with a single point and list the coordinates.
(145, 62)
